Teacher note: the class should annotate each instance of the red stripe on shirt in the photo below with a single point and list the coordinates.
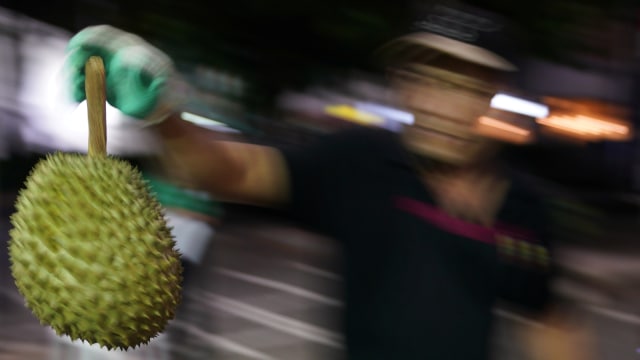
(459, 227)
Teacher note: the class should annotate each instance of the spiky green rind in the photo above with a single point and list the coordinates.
(91, 251)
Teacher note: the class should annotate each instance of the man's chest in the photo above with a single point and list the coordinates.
(398, 216)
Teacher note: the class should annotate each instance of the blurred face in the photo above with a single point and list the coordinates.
(446, 102)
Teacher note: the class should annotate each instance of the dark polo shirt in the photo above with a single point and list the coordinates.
(419, 284)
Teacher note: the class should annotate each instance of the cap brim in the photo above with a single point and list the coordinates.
(419, 47)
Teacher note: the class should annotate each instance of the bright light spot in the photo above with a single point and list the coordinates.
(350, 113)
(519, 106)
(387, 112)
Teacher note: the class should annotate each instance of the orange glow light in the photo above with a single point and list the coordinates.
(485, 120)
(586, 126)
(503, 131)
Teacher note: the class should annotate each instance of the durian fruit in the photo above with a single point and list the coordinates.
(90, 248)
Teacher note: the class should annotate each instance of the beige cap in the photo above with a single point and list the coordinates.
(421, 46)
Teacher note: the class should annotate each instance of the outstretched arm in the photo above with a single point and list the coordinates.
(141, 82)
(558, 337)
(230, 170)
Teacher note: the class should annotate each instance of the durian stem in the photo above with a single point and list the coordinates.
(95, 89)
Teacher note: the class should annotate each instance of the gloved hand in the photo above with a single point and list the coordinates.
(140, 79)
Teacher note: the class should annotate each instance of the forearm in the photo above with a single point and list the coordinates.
(559, 337)
(230, 170)
(142, 83)
(198, 158)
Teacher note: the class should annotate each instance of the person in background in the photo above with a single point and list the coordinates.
(435, 230)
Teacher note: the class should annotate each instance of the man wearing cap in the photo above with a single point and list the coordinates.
(434, 230)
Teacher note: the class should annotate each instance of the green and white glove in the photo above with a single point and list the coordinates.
(140, 79)
(171, 195)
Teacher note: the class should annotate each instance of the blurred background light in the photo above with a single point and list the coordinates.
(519, 106)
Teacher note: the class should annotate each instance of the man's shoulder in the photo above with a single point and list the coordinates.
(357, 142)
(525, 189)
(363, 135)
(368, 141)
